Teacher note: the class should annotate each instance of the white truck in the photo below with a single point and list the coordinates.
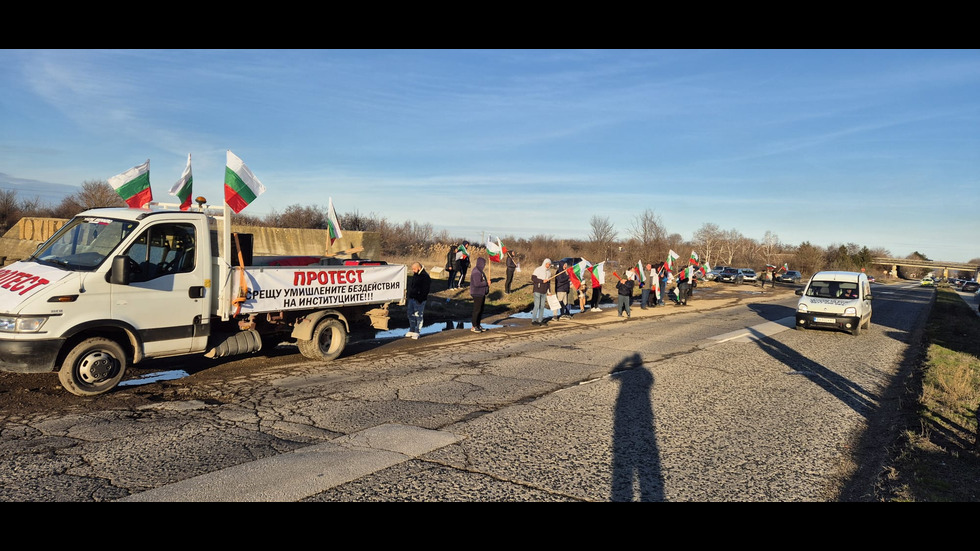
(115, 286)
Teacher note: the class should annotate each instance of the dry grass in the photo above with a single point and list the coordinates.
(939, 460)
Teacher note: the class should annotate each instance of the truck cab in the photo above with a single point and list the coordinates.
(112, 283)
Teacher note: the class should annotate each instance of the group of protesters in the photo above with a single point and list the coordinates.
(658, 285)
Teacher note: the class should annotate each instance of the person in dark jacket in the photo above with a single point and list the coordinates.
(462, 263)
(479, 288)
(563, 284)
(418, 292)
(511, 268)
(451, 266)
(625, 288)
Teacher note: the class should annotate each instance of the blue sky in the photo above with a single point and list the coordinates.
(875, 147)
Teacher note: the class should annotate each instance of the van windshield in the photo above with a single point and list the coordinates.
(832, 289)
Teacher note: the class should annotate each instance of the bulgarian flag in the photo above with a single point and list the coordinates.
(577, 273)
(241, 186)
(786, 266)
(495, 250)
(598, 274)
(671, 258)
(695, 261)
(462, 249)
(182, 188)
(333, 224)
(640, 271)
(655, 287)
(134, 185)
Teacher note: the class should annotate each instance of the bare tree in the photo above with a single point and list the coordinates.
(707, 239)
(94, 194)
(9, 213)
(602, 232)
(298, 216)
(770, 247)
(33, 207)
(730, 246)
(648, 227)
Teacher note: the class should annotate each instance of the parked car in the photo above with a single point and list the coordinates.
(927, 281)
(568, 261)
(790, 276)
(749, 276)
(715, 272)
(970, 286)
(732, 275)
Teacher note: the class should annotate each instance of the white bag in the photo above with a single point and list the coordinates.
(553, 303)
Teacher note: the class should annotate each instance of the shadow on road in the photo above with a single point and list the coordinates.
(636, 469)
(852, 394)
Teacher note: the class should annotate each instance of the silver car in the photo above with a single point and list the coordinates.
(790, 276)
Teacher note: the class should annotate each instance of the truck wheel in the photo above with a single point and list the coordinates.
(857, 329)
(94, 366)
(327, 342)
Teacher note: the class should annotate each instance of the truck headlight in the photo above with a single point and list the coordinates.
(13, 324)
(850, 311)
(802, 308)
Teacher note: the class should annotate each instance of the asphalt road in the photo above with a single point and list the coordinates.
(705, 404)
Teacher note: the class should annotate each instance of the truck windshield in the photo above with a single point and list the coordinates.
(84, 243)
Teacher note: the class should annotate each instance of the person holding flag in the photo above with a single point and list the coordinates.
(655, 285)
(462, 263)
(671, 259)
(541, 285)
(625, 293)
(663, 273)
(512, 266)
(769, 275)
(597, 275)
(645, 287)
(563, 284)
(578, 274)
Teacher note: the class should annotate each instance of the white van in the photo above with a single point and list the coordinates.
(835, 300)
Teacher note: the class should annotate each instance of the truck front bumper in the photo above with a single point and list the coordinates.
(29, 356)
(829, 321)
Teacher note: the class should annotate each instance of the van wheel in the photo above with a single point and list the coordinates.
(327, 342)
(92, 367)
(857, 329)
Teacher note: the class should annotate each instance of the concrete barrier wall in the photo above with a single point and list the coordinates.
(22, 240)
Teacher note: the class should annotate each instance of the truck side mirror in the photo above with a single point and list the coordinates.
(799, 292)
(120, 270)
